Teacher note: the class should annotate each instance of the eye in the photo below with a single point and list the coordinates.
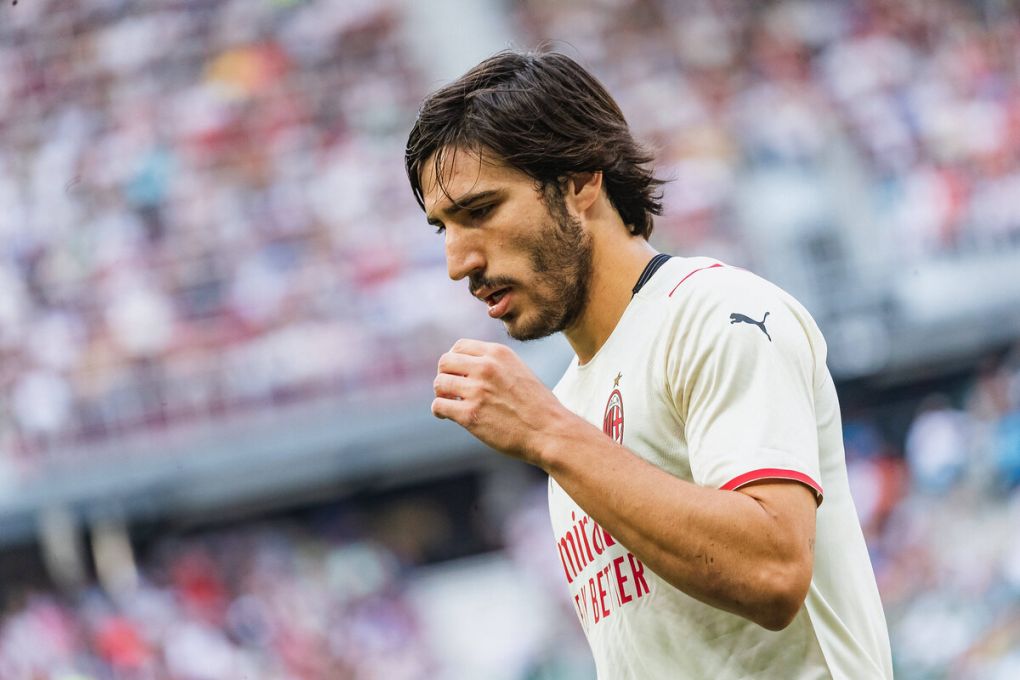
(481, 213)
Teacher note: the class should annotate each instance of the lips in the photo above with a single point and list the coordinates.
(499, 302)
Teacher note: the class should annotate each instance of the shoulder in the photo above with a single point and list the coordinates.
(713, 306)
(694, 286)
(678, 274)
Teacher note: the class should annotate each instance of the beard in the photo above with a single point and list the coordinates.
(561, 259)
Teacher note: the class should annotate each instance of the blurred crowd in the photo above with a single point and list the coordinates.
(941, 513)
(357, 596)
(259, 603)
(758, 98)
(224, 226)
(208, 228)
(339, 595)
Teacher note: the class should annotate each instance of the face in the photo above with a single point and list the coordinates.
(520, 249)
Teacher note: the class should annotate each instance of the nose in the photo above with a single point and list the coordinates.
(463, 254)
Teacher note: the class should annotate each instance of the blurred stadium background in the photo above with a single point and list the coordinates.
(220, 312)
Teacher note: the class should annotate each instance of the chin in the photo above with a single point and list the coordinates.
(524, 332)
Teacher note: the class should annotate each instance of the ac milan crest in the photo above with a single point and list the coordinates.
(612, 422)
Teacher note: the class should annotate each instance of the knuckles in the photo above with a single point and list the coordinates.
(444, 361)
(486, 369)
(460, 345)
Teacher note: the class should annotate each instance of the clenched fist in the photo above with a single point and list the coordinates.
(486, 389)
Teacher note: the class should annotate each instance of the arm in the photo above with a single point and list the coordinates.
(748, 552)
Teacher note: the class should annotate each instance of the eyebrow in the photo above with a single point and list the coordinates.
(462, 203)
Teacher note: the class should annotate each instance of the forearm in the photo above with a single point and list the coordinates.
(746, 552)
(726, 549)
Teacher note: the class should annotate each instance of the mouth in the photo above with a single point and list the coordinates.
(499, 302)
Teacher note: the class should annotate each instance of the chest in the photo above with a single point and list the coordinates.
(627, 395)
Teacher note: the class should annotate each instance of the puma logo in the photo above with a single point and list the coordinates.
(740, 318)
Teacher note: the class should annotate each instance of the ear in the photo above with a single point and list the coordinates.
(582, 190)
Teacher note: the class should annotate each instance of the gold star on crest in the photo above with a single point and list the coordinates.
(616, 381)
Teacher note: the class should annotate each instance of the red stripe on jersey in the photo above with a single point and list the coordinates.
(689, 275)
(771, 473)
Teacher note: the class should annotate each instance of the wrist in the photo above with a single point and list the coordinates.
(557, 439)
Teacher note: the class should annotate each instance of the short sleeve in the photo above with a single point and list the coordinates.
(742, 378)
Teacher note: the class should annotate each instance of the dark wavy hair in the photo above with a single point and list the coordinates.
(545, 115)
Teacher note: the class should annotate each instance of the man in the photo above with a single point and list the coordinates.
(694, 537)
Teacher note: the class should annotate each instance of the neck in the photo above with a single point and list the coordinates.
(617, 262)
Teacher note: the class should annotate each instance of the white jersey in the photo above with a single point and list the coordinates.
(719, 377)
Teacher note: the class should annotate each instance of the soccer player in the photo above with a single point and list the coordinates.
(697, 482)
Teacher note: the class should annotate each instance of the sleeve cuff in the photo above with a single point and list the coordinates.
(773, 473)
